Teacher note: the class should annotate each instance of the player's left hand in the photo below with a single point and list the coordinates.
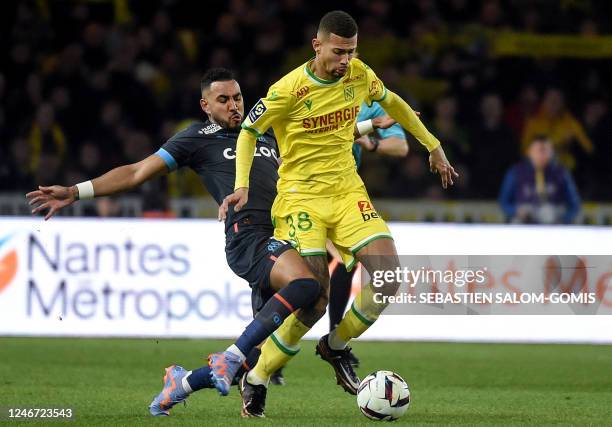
(383, 122)
(386, 121)
(238, 198)
(438, 163)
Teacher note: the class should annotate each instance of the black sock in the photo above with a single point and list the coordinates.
(297, 294)
(248, 364)
(200, 378)
(339, 294)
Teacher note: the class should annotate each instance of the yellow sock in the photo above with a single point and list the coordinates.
(280, 347)
(363, 313)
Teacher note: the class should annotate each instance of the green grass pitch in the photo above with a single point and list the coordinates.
(112, 381)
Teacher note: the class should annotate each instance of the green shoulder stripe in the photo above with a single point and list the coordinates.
(253, 131)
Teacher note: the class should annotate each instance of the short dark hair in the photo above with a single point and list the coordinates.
(215, 75)
(339, 23)
(540, 138)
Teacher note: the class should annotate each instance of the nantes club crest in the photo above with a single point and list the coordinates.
(349, 93)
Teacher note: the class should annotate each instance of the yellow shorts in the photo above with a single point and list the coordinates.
(348, 220)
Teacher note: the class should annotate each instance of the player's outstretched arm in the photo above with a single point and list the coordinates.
(120, 179)
(401, 111)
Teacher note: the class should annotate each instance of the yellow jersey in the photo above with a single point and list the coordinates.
(314, 120)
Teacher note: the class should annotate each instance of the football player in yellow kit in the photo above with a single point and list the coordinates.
(313, 111)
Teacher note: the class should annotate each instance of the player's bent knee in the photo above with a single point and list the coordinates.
(309, 288)
(301, 293)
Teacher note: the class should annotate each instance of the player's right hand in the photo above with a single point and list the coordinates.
(238, 198)
(52, 198)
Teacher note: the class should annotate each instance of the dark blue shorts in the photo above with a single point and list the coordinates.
(251, 251)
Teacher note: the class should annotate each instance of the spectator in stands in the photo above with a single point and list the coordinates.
(447, 129)
(15, 172)
(3, 127)
(598, 124)
(523, 107)
(494, 148)
(563, 129)
(410, 178)
(109, 68)
(106, 132)
(49, 167)
(538, 190)
(90, 159)
(46, 138)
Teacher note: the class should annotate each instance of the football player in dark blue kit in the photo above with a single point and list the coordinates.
(281, 281)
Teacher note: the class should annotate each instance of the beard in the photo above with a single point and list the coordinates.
(226, 124)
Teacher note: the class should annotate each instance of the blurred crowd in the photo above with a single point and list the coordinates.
(89, 85)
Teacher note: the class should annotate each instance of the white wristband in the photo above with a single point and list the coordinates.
(86, 190)
(365, 127)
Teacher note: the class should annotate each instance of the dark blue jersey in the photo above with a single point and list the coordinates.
(210, 151)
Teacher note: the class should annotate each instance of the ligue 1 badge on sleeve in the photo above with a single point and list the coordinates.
(257, 110)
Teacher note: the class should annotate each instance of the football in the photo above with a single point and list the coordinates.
(383, 396)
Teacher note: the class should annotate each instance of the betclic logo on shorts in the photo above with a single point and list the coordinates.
(367, 210)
